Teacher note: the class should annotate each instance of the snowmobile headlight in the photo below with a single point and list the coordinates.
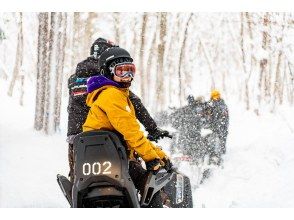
(179, 189)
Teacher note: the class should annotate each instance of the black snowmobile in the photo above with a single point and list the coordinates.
(193, 139)
(102, 178)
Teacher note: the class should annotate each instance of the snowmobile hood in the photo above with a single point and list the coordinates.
(96, 84)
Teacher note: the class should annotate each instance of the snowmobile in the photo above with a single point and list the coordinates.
(102, 178)
(193, 137)
(203, 157)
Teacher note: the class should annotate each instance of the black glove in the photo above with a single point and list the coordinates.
(157, 133)
(168, 166)
(153, 166)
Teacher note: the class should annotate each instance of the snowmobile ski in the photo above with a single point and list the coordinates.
(65, 186)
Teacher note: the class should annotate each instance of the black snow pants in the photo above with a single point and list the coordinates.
(71, 162)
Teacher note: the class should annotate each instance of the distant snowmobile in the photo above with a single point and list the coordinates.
(102, 178)
(194, 138)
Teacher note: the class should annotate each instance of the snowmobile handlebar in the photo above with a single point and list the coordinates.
(152, 138)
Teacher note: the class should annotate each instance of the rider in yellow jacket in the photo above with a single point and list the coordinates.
(111, 108)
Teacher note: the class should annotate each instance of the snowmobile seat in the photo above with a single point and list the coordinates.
(101, 177)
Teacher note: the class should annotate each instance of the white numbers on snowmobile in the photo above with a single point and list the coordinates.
(86, 169)
(97, 168)
(107, 171)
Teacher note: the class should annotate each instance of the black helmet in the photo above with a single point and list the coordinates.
(190, 99)
(112, 54)
(99, 46)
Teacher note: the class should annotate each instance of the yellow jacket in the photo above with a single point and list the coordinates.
(111, 109)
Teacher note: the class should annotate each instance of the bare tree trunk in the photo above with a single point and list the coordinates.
(161, 49)
(51, 47)
(22, 78)
(264, 61)
(252, 61)
(76, 45)
(277, 86)
(170, 61)
(267, 77)
(59, 68)
(181, 58)
(284, 83)
(247, 74)
(49, 79)
(4, 74)
(249, 24)
(210, 64)
(242, 43)
(18, 56)
(244, 60)
(89, 31)
(291, 85)
(3, 71)
(134, 40)
(55, 72)
(141, 57)
(41, 70)
(176, 65)
(151, 57)
(116, 17)
(278, 83)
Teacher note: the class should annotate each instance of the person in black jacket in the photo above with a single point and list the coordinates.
(220, 118)
(78, 110)
(189, 120)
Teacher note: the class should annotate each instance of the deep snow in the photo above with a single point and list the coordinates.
(258, 167)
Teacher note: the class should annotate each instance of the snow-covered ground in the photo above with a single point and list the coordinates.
(29, 160)
(258, 167)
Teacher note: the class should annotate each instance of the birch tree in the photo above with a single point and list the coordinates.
(50, 71)
(264, 60)
(18, 56)
(183, 73)
(141, 56)
(3, 71)
(245, 54)
(160, 98)
(89, 31)
(41, 70)
(116, 18)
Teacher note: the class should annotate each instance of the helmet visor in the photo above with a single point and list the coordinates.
(124, 70)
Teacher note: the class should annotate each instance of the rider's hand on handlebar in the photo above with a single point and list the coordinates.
(168, 166)
(154, 165)
(157, 133)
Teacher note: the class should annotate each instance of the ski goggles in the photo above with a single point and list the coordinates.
(124, 70)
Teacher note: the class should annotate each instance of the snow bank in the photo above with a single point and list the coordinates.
(29, 160)
(258, 166)
(257, 172)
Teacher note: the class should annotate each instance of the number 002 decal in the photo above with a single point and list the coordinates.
(96, 168)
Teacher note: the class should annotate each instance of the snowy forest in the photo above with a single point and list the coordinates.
(247, 56)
